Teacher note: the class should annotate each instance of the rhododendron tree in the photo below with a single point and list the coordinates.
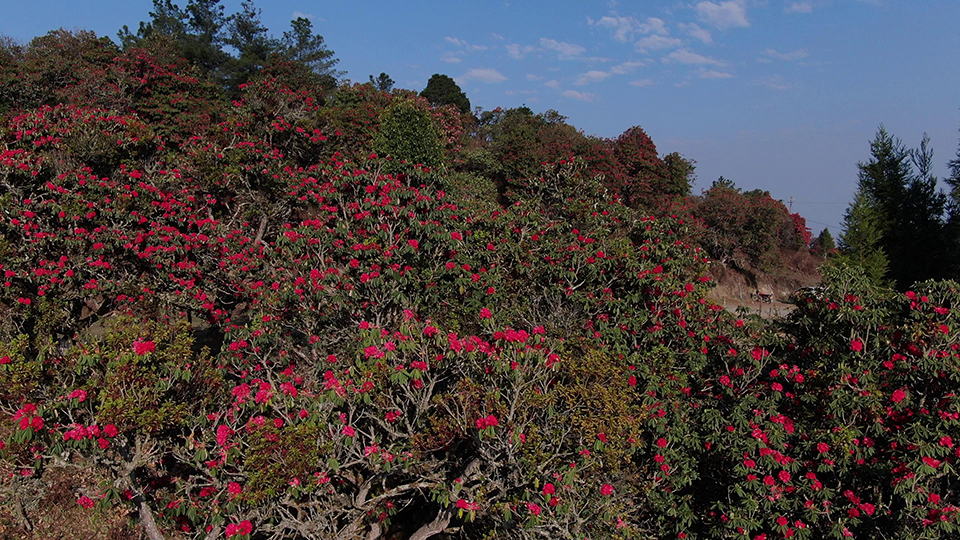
(265, 329)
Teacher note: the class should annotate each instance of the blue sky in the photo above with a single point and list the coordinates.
(781, 95)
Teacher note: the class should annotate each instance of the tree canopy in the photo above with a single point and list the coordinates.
(239, 301)
(442, 90)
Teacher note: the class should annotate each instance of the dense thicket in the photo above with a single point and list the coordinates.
(301, 314)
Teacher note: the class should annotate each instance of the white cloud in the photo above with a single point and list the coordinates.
(566, 50)
(591, 77)
(450, 58)
(464, 45)
(624, 68)
(653, 26)
(714, 74)
(552, 84)
(518, 52)
(532, 77)
(729, 14)
(798, 54)
(642, 82)
(798, 7)
(685, 56)
(624, 28)
(695, 31)
(300, 14)
(580, 96)
(497, 37)
(657, 42)
(775, 82)
(484, 75)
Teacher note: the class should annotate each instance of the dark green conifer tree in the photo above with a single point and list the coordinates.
(442, 90)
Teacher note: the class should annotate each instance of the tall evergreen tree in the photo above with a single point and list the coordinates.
(442, 90)
(198, 30)
(952, 226)
(382, 83)
(899, 188)
(861, 243)
(824, 244)
(920, 227)
(302, 47)
(253, 44)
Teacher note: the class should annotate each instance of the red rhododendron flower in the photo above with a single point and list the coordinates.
(223, 433)
(898, 395)
(856, 345)
(533, 508)
(143, 347)
(606, 490)
(549, 488)
(485, 313)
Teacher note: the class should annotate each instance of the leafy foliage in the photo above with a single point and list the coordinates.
(442, 90)
(288, 316)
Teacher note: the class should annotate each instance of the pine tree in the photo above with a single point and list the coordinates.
(824, 244)
(301, 47)
(382, 83)
(952, 226)
(898, 188)
(442, 90)
(861, 241)
(253, 44)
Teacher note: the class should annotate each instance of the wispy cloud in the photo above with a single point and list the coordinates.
(775, 82)
(591, 77)
(497, 37)
(624, 68)
(730, 14)
(580, 96)
(450, 58)
(657, 42)
(518, 52)
(464, 45)
(565, 50)
(484, 75)
(532, 77)
(798, 54)
(714, 74)
(685, 56)
(798, 7)
(624, 28)
(302, 15)
(642, 83)
(555, 84)
(695, 31)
